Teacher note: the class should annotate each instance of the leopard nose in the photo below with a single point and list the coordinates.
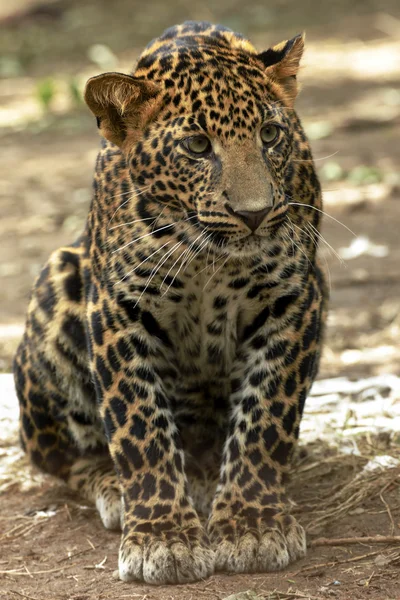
(252, 219)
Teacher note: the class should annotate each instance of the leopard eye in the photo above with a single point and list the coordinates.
(269, 134)
(198, 144)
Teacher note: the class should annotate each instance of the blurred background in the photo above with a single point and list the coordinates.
(350, 107)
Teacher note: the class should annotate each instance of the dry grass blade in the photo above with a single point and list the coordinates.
(23, 595)
(278, 595)
(20, 530)
(333, 563)
(31, 574)
(365, 485)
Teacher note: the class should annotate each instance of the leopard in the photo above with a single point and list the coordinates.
(168, 352)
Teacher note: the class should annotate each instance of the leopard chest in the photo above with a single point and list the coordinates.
(204, 329)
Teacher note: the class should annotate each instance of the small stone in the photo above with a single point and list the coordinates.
(357, 511)
(327, 591)
(381, 560)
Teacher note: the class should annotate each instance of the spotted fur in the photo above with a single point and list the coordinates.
(169, 351)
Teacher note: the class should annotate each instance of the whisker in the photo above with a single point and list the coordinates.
(143, 261)
(142, 190)
(277, 108)
(192, 245)
(188, 218)
(201, 246)
(209, 266)
(141, 237)
(323, 213)
(314, 240)
(184, 260)
(203, 243)
(215, 272)
(219, 245)
(130, 223)
(172, 266)
(146, 219)
(208, 254)
(157, 268)
(132, 196)
(288, 236)
(329, 273)
(309, 234)
(197, 251)
(321, 237)
(213, 262)
(302, 250)
(138, 220)
(316, 159)
(176, 274)
(161, 213)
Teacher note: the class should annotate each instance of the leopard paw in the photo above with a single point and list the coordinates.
(110, 508)
(159, 561)
(96, 480)
(260, 551)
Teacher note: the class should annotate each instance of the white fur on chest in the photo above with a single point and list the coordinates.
(203, 327)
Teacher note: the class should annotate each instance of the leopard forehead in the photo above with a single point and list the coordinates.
(191, 41)
(205, 67)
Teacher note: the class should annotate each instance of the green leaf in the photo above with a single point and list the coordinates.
(45, 91)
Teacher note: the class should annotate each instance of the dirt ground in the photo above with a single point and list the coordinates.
(52, 546)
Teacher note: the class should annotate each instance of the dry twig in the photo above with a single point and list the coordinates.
(389, 512)
(375, 539)
(60, 560)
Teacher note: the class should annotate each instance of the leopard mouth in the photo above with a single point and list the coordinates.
(239, 243)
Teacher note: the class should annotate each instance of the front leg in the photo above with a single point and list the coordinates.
(163, 540)
(250, 524)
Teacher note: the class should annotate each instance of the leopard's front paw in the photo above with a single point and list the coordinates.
(241, 548)
(159, 560)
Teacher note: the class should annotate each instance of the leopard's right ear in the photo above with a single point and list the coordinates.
(121, 104)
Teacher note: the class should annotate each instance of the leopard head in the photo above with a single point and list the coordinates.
(209, 132)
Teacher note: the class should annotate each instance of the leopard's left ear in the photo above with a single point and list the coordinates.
(282, 64)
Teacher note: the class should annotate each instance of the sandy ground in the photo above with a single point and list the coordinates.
(52, 546)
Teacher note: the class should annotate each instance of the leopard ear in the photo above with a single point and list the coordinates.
(282, 64)
(121, 104)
